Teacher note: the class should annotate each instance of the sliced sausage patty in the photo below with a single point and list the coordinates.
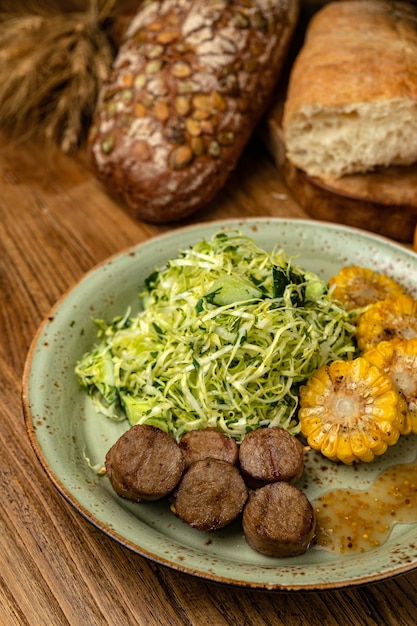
(209, 442)
(210, 495)
(279, 520)
(145, 463)
(267, 455)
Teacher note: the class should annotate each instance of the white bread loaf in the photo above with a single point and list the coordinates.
(351, 104)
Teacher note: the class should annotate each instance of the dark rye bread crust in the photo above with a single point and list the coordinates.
(188, 87)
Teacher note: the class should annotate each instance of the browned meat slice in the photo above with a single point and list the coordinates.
(268, 455)
(210, 495)
(279, 520)
(145, 463)
(201, 444)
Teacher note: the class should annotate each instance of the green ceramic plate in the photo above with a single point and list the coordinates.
(64, 428)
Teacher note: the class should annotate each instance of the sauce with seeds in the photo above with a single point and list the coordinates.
(351, 521)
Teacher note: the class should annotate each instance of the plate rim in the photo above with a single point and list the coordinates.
(232, 223)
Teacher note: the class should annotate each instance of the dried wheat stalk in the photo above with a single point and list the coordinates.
(52, 67)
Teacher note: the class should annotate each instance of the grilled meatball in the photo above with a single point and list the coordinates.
(267, 455)
(279, 520)
(201, 444)
(145, 463)
(210, 495)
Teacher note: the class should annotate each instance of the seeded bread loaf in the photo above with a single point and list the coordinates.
(188, 87)
(351, 104)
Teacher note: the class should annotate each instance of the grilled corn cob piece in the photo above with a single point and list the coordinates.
(398, 359)
(386, 320)
(349, 411)
(355, 287)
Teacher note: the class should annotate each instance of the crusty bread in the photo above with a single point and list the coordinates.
(351, 104)
(188, 87)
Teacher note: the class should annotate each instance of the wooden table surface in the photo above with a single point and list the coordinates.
(56, 568)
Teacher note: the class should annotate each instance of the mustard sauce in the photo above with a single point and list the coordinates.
(352, 521)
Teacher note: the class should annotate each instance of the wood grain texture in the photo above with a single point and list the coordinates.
(56, 223)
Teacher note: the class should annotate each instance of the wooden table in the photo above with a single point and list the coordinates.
(56, 222)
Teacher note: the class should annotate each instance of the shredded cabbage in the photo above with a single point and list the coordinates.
(227, 334)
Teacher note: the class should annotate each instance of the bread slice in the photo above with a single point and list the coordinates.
(351, 103)
(383, 201)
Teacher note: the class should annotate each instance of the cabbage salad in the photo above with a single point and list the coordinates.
(226, 334)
